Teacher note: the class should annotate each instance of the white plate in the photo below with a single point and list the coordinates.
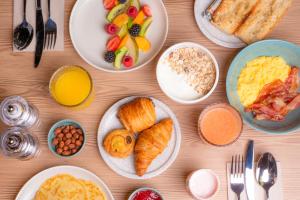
(125, 167)
(212, 32)
(174, 85)
(31, 187)
(89, 37)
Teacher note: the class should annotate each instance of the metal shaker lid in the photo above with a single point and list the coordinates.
(13, 110)
(18, 142)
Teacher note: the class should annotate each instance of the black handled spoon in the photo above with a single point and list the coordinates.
(23, 33)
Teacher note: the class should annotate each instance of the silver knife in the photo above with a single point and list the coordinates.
(249, 171)
(40, 33)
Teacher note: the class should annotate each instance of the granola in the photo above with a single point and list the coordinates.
(196, 66)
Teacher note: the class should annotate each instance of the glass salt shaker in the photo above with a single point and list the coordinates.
(16, 111)
(19, 143)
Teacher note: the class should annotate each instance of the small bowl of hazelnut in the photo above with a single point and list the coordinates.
(66, 138)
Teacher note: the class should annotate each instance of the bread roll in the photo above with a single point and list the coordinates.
(231, 13)
(265, 15)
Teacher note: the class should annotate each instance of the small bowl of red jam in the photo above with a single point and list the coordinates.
(145, 193)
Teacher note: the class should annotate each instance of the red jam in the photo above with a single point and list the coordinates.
(147, 195)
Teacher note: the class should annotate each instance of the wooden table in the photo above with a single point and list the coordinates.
(18, 77)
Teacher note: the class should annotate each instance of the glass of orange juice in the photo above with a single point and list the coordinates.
(72, 86)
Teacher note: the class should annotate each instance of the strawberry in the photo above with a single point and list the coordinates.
(113, 43)
(108, 4)
(147, 11)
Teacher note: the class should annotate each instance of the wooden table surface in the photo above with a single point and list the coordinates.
(18, 77)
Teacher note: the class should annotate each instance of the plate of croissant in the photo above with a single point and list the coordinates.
(139, 137)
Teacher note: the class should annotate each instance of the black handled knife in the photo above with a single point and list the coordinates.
(40, 33)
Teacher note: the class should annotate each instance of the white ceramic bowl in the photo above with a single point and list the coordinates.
(207, 192)
(173, 85)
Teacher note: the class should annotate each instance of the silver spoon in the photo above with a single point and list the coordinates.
(23, 33)
(266, 172)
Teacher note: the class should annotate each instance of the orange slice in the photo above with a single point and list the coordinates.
(124, 41)
(120, 20)
(143, 43)
(139, 18)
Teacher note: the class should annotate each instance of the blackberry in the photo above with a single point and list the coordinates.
(122, 1)
(110, 56)
(135, 30)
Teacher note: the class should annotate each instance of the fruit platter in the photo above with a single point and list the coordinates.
(121, 35)
(128, 24)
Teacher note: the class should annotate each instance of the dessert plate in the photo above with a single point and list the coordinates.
(89, 38)
(212, 32)
(31, 187)
(125, 167)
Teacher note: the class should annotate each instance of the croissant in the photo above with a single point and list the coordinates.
(137, 115)
(151, 143)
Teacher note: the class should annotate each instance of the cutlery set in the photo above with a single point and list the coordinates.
(46, 33)
(242, 173)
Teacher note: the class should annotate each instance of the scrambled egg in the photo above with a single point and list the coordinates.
(257, 73)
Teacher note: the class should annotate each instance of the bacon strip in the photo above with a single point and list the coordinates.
(294, 104)
(277, 99)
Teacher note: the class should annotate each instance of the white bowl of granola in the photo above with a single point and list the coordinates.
(187, 73)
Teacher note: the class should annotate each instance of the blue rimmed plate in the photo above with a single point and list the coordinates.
(291, 53)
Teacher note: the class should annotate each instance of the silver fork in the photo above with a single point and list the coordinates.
(208, 12)
(50, 31)
(237, 175)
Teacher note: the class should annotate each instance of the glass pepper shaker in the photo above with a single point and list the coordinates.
(19, 143)
(16, 111)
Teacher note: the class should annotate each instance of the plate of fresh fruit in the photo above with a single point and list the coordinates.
(118, 35)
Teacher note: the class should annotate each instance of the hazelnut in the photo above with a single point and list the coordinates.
(76, 135)
(57, 131)
(72, 146)
(78, 143)
(68, 135)
(61, 144)
(68, 141)
(55, 141)
(66, 153)
(74, 151)
(79, 131)
(66, 148)
(59, 150)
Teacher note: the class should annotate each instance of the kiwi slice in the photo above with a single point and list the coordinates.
(116, 11)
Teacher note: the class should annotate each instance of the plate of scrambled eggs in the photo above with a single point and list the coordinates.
(65, 183)
(254, 69)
